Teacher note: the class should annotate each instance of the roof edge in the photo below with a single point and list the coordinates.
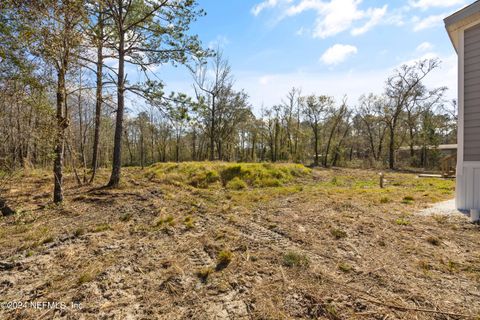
(462, 14)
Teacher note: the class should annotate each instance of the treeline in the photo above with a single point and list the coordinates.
(64, 103)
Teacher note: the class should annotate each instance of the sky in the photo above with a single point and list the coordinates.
(331, 47)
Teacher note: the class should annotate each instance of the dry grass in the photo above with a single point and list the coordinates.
(291, 243)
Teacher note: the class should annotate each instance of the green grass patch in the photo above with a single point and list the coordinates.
(235, 176)
(237, 184)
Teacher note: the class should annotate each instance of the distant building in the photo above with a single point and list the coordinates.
(464, 30)
(428, 156)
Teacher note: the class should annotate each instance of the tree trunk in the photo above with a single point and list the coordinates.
(317, 156)
(99, 98)
(391, 149)
(212, 132)
(117, 148)
(60, 139)
(194, 144)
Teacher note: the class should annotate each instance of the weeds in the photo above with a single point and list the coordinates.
(338, 233)
(385, 200)
(126, 217)
(236, 184)
(408, 200)
(189, 222)
(224, 258)
(79, 232)
(204, 273)
(293, 259)
(168, 220)
(102, 227)
(402, 221)
(345, 267)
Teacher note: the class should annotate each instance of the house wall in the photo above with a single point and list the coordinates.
(472, 94)
(468, 164)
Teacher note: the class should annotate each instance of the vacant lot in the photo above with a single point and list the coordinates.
(238, 241)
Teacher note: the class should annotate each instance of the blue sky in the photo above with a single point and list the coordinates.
(332, 47)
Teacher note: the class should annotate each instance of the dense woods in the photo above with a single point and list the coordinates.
(63, 104)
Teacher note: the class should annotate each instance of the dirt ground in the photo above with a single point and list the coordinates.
(332, 245)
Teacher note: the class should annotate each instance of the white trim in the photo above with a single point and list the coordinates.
(468, 26)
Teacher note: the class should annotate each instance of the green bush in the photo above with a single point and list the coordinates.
(236, 184)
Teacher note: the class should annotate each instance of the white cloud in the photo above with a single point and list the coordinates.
(425, 46)
(426, 4)
(333, 16)
(338, 53)
(267, 4)
(376, 15)
(428, 22)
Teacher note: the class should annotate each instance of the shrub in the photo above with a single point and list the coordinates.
(230, 174)
(236, 184)
(293, 259)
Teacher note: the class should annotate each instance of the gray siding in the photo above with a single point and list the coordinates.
(472, 95)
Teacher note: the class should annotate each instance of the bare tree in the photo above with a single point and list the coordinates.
(211, 79)
(401, 90)
(314, 108)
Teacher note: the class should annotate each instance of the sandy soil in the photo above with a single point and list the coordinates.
(326, 247)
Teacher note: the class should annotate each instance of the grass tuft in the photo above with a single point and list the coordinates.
(224, 258)
(293, 259)
(402, 221)
(236, 184)
(345, 267)
(338, 233)
(102, 227)
(204, 273)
